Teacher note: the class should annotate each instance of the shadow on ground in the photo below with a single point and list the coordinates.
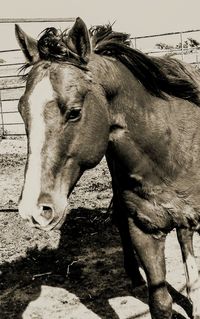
(88, 263)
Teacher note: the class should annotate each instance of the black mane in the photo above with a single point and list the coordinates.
(158, 75)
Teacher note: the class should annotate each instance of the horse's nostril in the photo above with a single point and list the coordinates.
(34, 221)
(42, 217)
(47, 212)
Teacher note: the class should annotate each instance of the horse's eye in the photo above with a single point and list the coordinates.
(74, 114)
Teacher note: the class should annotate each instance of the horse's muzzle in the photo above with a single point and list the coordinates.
(44, 216)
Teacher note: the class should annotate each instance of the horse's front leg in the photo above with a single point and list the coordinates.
(130, 259)
(151, 253)
(185, 238)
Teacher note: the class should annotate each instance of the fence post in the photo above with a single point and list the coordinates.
(2, 120)
(181, 36)
(197, 58)
(135, 43)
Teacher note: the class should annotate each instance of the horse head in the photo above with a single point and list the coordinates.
(66, 117)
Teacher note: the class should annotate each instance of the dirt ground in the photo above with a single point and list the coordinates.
(75, 273)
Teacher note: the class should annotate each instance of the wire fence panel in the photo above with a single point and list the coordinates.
(12, 93)
(10, 106)
(9, 70)
(178, 44)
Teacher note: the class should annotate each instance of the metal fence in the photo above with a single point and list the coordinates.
(10, 91)
(12, 86)
(187, 54)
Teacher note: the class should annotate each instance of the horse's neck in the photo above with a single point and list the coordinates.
(151, 137)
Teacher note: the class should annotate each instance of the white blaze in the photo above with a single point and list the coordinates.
(41, 95)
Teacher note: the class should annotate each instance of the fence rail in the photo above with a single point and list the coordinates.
(164, 34)
(36, 20)
(11, 85)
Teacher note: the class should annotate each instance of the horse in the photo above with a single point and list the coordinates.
(89, 94)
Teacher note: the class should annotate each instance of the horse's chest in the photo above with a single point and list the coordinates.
(161, 207)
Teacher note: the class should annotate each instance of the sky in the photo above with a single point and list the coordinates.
(137, 17)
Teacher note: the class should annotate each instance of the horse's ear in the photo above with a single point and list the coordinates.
(78, 39)
(27, 44)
